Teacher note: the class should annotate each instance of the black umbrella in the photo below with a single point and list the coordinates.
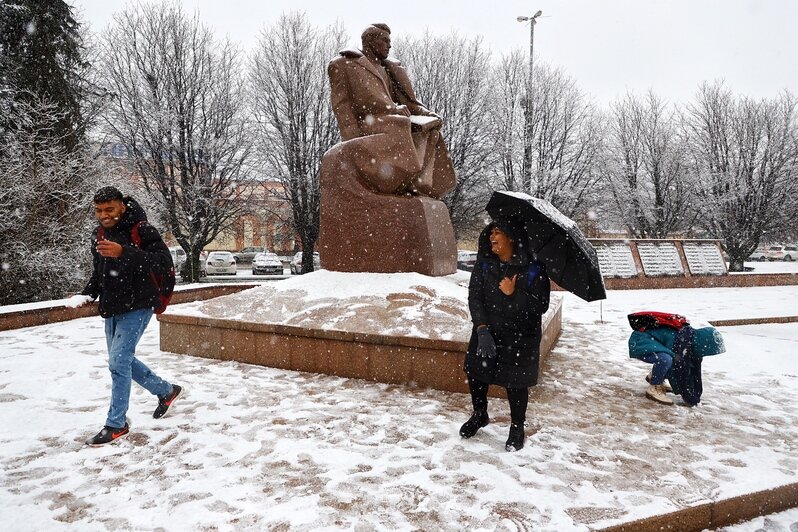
(556, 240)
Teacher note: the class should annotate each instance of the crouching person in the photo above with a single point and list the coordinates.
(125, 252)
(675, 350)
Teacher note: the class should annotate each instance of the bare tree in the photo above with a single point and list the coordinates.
(645, 167)
(178, 102)
(566, 134)
(290, 97)
(451, 75)
(745, 161)
(506, 119)
(566, 141)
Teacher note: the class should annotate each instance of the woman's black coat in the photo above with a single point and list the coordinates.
(514, 320)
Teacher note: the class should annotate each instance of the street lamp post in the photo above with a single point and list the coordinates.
(526, 183)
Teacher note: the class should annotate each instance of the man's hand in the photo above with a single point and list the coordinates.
(402, 110)
(109, 248)
(507, 285)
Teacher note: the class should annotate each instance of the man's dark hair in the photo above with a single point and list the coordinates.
(107, 194)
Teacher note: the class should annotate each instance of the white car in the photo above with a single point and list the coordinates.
(296, 263)
(267, 264)
(786, 253)
(179, 259)
(466, 260)
(220, 263)
(759, 254)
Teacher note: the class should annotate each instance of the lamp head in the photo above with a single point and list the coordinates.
(522, 19)
(539, 13)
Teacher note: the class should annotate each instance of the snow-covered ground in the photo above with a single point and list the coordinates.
(253, 448)
(770, 267)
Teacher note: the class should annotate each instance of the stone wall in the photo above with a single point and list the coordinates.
(415, 361)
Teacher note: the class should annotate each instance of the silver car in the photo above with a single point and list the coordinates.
(247, 254)
(220, 263)
(267, 264)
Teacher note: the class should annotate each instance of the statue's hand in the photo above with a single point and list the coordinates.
(402, 110)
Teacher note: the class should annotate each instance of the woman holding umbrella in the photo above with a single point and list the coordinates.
(508, 295)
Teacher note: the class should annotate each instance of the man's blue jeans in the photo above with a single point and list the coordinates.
(662, 363)
(122, 333)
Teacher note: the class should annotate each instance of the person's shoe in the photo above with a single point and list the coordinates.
(477, 420)
(165, 401)
(657, 393)
(515, 442)
(665, 385)
(107, 435)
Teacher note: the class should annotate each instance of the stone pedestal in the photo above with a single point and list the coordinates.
(414, 334)
(362, 230)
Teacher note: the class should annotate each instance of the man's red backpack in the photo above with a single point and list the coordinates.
(164, 281)
(640, 321)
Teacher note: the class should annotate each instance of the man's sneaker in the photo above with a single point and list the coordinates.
(665, 385)
(478, 420)
(165, 401)
(107, 435)
(515, 442)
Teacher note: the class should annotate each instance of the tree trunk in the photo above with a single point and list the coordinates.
(736, 264)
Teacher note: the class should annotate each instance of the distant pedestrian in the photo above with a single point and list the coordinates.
(128, 296)
(507, 296)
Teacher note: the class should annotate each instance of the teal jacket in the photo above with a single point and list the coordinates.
(707, 341)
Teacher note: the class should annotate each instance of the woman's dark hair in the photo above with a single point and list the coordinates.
(106, 194)
(514, 232)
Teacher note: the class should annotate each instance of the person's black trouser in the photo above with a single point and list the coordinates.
(518, 397)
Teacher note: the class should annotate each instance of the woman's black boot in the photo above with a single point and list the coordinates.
(515, 442)
(477, 420)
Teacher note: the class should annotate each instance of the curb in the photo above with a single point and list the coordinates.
(753, 321)
(57, 313)
(716, 514)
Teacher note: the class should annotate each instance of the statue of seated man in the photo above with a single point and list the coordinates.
(401, 150)
(380, 208)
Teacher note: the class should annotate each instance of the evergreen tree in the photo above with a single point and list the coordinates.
(41, 60)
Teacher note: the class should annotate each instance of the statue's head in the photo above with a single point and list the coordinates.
(376, 40)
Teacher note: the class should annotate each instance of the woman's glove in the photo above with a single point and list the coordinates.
(487, 346)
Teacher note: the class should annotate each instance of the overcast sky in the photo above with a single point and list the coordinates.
(609, 46)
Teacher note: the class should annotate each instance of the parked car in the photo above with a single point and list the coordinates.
(787, 253)
(296, 263)
(179, 259)
(466, 260)
(246, 255)
(267, 264)
(220, 263)
(759, 254)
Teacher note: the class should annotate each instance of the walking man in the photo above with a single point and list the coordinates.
(126, 250)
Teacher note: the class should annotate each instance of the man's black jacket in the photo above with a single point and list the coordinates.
(124, 284)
